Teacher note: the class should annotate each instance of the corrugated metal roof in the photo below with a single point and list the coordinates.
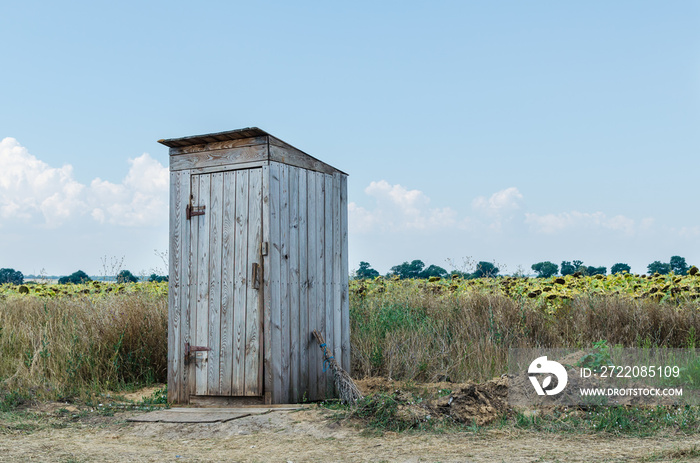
(248, 132)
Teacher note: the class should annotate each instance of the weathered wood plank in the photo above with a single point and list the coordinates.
(219, 157)
(285, 153)
(219, 145)
(184, 290)
(230, 167)
(275, 276)
(293, 199)
(253, 350)
(240, 293)
(192, 289)
(304, 332)
(215, 234)
(312, 258)
(344, 276)
(202, 337)
(320, 272)
(175, 272)
(328, 274)
(267, 289)
(210, 402)
(337, 283)
(227, 282)
(284, 282)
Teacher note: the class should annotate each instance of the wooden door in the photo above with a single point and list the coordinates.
(225, 306)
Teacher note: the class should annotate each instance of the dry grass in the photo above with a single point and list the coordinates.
(67, 345)
(411, 332)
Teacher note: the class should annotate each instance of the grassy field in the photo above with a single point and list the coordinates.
(64, 341)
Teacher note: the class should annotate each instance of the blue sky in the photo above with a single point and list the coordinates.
(512, 132)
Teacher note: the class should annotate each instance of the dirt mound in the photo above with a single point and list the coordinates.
(479, 404)
(468, 403)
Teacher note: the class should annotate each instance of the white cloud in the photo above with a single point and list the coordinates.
(30, 187)
(32, 190)
(397, 208)
(500, 208)
(140, 200)
(575, 220)
(500, 203)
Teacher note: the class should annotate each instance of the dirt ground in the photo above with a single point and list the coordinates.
(308, 435)
(313, 435)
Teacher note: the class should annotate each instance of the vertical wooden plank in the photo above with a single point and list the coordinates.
(304, 333)
(337, 284)
(240, 292)
(328, 273)
(344, 276)
(227, 282)
(312, 258)
(215, 248)
(202, 337)
(253, 361)
(293, 200)
(284, 281)
(320, 273)
(275, 250)
(174, 367)
(192, 288)
(267, 288)
(184, 290)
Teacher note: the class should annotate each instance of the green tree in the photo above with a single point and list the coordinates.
(619, 268)
(433, 271)
(407, 270)
(75, 278)
(10, 275)
(366, 272)
(157, 278)
(678, 265)
(485, 269)
(590, 270)
(567, 268)
(658, 267)
(126, 276)
(545, 269)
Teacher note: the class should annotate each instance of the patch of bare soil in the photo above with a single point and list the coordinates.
(309, 435)
(314, 435)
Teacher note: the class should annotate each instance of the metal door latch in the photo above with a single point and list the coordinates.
(256, 275)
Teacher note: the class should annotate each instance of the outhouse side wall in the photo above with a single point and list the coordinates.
(306, 280)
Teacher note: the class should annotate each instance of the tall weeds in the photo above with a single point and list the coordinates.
(67, 345)
(410, 331)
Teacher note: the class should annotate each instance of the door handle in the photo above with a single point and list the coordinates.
(256, 275)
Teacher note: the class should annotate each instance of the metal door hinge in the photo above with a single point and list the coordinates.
(189, 349)
(263, 248)
(191, 211)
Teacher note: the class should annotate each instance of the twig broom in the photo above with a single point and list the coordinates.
(347, 389)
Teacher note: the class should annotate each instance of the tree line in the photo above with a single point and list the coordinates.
(15, 277)
(546, 269)
(416, 269)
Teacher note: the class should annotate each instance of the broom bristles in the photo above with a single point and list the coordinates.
(347, 389)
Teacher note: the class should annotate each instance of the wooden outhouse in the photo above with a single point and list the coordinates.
(258, 260)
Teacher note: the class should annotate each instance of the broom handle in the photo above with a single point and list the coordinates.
(321, 342)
